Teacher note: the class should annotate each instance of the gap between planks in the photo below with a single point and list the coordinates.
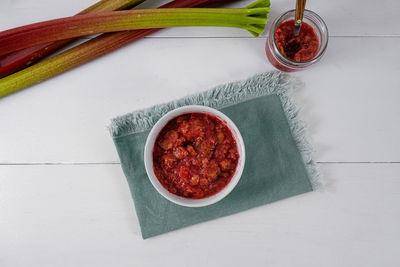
(117, 163)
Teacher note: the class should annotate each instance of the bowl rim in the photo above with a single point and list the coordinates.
(148, 156)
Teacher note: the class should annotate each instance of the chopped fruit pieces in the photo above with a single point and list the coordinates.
(195, 179)
(226, 164)
(191, 150)
(195, 155)
(169, 140)
(220, 137)
(180, 152)
(169, 161)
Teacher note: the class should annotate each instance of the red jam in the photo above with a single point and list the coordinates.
(300, 48)
(195, 155)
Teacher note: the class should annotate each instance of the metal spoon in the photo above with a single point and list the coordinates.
(300, 5)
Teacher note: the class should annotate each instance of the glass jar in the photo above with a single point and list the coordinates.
(278, 60)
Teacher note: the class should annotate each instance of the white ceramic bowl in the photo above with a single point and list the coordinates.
(148, 156)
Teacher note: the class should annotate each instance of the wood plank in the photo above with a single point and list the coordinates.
(350, 98)
(83, 215)
(352, 18)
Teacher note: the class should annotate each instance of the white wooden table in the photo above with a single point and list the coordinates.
(64, 200)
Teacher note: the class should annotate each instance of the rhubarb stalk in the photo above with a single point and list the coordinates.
(21, 59)
(86, 52)
(252, 18)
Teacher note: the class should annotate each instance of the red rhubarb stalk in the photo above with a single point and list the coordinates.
(252, 18)
(21, 59)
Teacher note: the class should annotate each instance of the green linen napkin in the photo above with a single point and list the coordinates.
(278, 158)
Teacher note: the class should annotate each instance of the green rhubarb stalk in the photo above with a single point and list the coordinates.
(21, 59)
(253, 18)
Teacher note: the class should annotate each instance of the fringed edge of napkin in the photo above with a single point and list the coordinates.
(269, 83)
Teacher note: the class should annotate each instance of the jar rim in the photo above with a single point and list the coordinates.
(323, 30)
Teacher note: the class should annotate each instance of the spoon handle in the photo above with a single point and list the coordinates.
(300, 5)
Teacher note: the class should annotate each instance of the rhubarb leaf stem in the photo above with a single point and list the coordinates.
(82, 25)
(85, 52)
